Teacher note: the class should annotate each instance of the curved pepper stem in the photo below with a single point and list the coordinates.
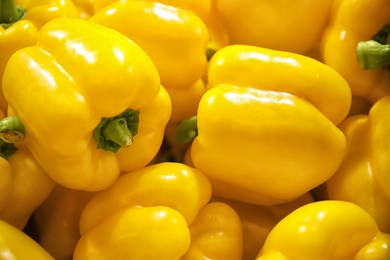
(12, 129)
(372, 54)
(210, 53)
(187, 130)
(116, 132)
(10, 13)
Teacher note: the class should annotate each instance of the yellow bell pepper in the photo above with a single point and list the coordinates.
(267, 114)
(150, 208)
(293, 26)
(20, 21)
(24, 184)
(94, 92)
(14, 244)
(257, 221)
(200, 7)
(326, 230)
(57, 221)
(216, 234)
(351, 22)
(180, 55)
(363, 176)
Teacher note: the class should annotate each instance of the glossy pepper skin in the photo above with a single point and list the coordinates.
(351, 22)
(24, 184)
(365, 164)
(14, 244)
(273, 24)
(23, 31)
(130, 217)
(85, 77)
(326, 230)
(180, 55)
(256, 128)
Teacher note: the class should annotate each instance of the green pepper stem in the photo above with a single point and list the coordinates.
(12, 129)
(371, 54)
(116, 132)
(10, 13)
(187, 130)
(210, 53)
(6, 149)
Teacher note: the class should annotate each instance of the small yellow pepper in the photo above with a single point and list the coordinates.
(145, 214)
(293, 26)
(216, 234)
(20, 21)
(326, 230)
(363, 177)
(351, 22)
(14, 244)
(57, 221)
(175, 38)
(267, 126)
(94, 92)
(24, 184)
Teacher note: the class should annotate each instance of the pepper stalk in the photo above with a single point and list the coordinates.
(10, 13)
(12, 129)
(187, 130)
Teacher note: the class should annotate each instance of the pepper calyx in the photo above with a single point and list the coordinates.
(116, 132)
(10, 13)
(187, 130)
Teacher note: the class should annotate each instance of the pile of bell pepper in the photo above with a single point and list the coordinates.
(196, 129)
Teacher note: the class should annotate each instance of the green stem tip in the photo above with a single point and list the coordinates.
(7, 149)
(10, 13)
(12, 129)
(187, 130)
(116, 132)
(372, 54)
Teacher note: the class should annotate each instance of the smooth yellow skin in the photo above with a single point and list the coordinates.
(257, 221)
(328, 230)
(272, 70)
(358, 178)
(145, 214)
(181, 37)
(216, 234)
(169, 184)
(57, 221)
(185, 100)
(14, 244)
(293, 26)
(156, 232)
(78, 73)
(200, 7)
(351, 22)
(259, 140)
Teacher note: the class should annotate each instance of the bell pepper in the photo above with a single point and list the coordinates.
(216, 234)
(326, 230)
(200, 7)
(131, 217)
(273, 24)
(57, 221)
(14, 244)
(352, 22)
(19, 24)
(180, 55)
(256, 129)
(94, 91)
(24, 184)
(365, 164)
(257, 221)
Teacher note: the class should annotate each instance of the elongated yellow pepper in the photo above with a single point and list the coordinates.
(326, 230)
(94, 91)
(139, 209)
(267, 126)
